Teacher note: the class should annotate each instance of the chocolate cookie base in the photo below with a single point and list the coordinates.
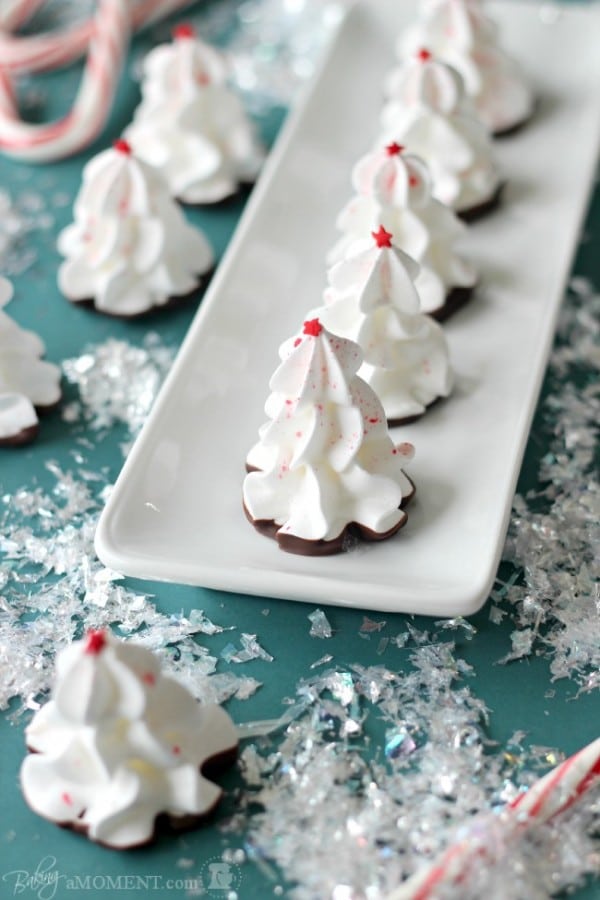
(348, 537)
(165, 823)
(408, 420)
(171, 303)
(512, 129)
(455, 300)
(243, 191)
(481, 209)
(25, 436)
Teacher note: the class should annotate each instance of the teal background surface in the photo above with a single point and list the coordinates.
(515, 694)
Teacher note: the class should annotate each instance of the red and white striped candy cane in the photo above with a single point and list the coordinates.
(37, 53)
(105, 37)
(552, 794)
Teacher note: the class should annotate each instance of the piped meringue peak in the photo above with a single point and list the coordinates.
(120, 743)
(130, 248)
(460, 33)
(191, 125)
(393, 192)
(27, 383)
(325, 467)
(428, 112)
(372, 299)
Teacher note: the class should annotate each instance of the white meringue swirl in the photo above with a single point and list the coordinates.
(460, 33)
(428, 112)
(325, 458)
(26, 380)
(393, 189)
(120, 743)
(372, 299)
(130, 248)
(191, 125)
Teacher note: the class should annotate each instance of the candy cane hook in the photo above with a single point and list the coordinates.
(106, 38)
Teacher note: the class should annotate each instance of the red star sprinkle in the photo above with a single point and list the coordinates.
(313, 327)
(122, 146)
(394, 149)
(424, 55)
(95, 642)
(184, 30)
(382, 237)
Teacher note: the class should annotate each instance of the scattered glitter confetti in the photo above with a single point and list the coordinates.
(370, 625)
(117, 382)
(322, 661)
(554, 531)
(251, 649)
(320, 627)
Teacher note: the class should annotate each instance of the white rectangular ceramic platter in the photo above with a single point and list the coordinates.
(176, 511)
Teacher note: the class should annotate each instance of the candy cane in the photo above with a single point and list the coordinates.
(105, 37)
(552, 794)
(39, 53)
(40, 143)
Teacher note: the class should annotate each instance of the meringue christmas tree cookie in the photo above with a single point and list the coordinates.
(27, 382)
(460, 33)
(372, 299)
(325, 466)
(393, 189)
(427, 111)
(190, 125)
(130, 248)
(120, 744)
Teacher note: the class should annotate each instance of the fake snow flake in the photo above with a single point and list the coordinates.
(251, 649)
(117, 382)
(320, 627)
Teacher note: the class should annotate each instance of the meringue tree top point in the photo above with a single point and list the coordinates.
(382, 237)
(394, 149)
(312, 327)
(95, 642)
(184, 31)
(122, 146)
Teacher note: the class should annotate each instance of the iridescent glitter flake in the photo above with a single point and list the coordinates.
(350, 812)
(554, 533)
(319, 625)
(117, 382)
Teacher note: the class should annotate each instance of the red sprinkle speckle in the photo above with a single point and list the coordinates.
(149, 678)
(382, 237)
(122, 146)
(373, 420)
(95, 643)
(176, 750)
(394, 149)
(413, 181)
(313, 327)
(424, 55)
(297, 342)
(66, 798)
(184, 31)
